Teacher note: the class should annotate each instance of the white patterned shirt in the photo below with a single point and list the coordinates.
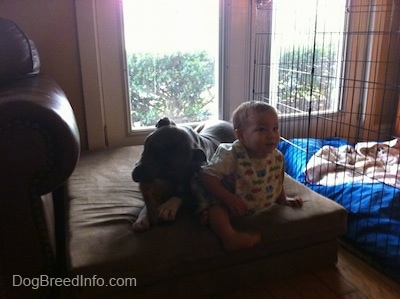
(258, 182)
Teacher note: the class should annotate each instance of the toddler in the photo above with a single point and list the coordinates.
(246, 175)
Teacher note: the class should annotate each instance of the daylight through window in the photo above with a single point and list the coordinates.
(172, 54)
(298, 54)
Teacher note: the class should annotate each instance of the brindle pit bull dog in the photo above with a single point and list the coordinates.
(171, 156)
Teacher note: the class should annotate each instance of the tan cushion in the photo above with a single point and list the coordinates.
(105, 202)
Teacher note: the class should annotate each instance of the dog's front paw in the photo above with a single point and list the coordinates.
(143, 222)
(167, 211)
(141, 226)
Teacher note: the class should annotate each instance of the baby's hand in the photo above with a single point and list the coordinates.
(294, 202)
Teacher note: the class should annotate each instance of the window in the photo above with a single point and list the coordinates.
(298, 54)
(103, 66)
(172, 55)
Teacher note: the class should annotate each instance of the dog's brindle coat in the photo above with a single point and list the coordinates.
(171, 156)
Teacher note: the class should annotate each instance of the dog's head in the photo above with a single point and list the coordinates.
(168, 154)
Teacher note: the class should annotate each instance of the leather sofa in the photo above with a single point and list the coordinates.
(71, 221)
(39, 148)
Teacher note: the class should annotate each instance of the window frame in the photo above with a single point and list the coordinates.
(103, 68)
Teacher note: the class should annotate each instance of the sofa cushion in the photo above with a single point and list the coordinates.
(104, 202)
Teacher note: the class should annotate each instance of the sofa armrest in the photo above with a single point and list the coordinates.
(39, 149)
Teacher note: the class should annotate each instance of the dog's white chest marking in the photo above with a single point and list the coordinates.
(168, 210)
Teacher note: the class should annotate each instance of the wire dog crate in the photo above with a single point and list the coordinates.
(332, 70)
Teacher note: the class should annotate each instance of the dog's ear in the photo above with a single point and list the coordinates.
(144, 173)
(138, 173)
(164, 122)
(198, 157)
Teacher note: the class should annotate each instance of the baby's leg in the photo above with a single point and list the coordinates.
(231, 239)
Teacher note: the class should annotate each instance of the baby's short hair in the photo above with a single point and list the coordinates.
(241, 113)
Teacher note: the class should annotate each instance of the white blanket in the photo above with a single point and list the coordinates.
(366, 162)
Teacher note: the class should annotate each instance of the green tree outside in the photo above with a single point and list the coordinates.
(307, 78)
(182, 85)
(179, 85)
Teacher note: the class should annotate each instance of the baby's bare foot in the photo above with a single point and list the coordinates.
(241, 240)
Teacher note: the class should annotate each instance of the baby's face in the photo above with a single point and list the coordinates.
(261, 134)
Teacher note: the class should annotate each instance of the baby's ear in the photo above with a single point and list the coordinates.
(238, 135)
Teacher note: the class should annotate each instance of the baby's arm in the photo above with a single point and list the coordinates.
(295, 202)
(214, 185)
